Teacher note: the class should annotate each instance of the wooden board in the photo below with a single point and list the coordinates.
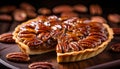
(106, 56)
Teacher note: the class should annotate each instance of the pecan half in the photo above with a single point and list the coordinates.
(62, 8)
(17, 57)
(19, 15)
(44, 11)
(95, 9)
(5, 17)
(7, 38)
(80, 8)
(114, 18)
(59, 48)
(7, 9)
(115, 47)
(27, 6)
(74, 46)
(40, 65)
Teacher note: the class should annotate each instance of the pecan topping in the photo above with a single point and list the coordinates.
(59, 48)
(7, 38)
(17, 57)
(74, 46)
(40, 65)
(71, 34)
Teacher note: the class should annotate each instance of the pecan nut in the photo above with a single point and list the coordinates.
(7, 8)
(7, 38)
(26, 6)
(40, 65)
(115, 47)
(19, 15)
(80, 8)
(18, 57)
(44, 11)
(114, 18)
(95, 9)
(5, 17)
(62, 8)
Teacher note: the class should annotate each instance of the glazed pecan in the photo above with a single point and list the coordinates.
(7, 38)
(59, 48)
(17, 57)
(115, 47)
(40, 65)
(74, 46)
(99, 35)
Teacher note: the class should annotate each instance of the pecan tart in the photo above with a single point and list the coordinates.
(73, 38)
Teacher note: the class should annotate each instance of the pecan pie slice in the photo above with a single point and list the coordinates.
(74, 38)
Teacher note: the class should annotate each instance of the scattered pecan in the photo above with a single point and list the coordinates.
(7, 9)
(19, 15)
(5, 17)
(40, 65)
(116, 31)
(7, 38)
(115, 18)
(80, 8)
(27, 6)
(17, 57)
(115, 47)
(62, 8)
(44, 11)
(95, 9)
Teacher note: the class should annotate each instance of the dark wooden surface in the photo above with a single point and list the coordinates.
(105, 57)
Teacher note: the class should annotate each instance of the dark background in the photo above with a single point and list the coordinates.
(108, 6)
